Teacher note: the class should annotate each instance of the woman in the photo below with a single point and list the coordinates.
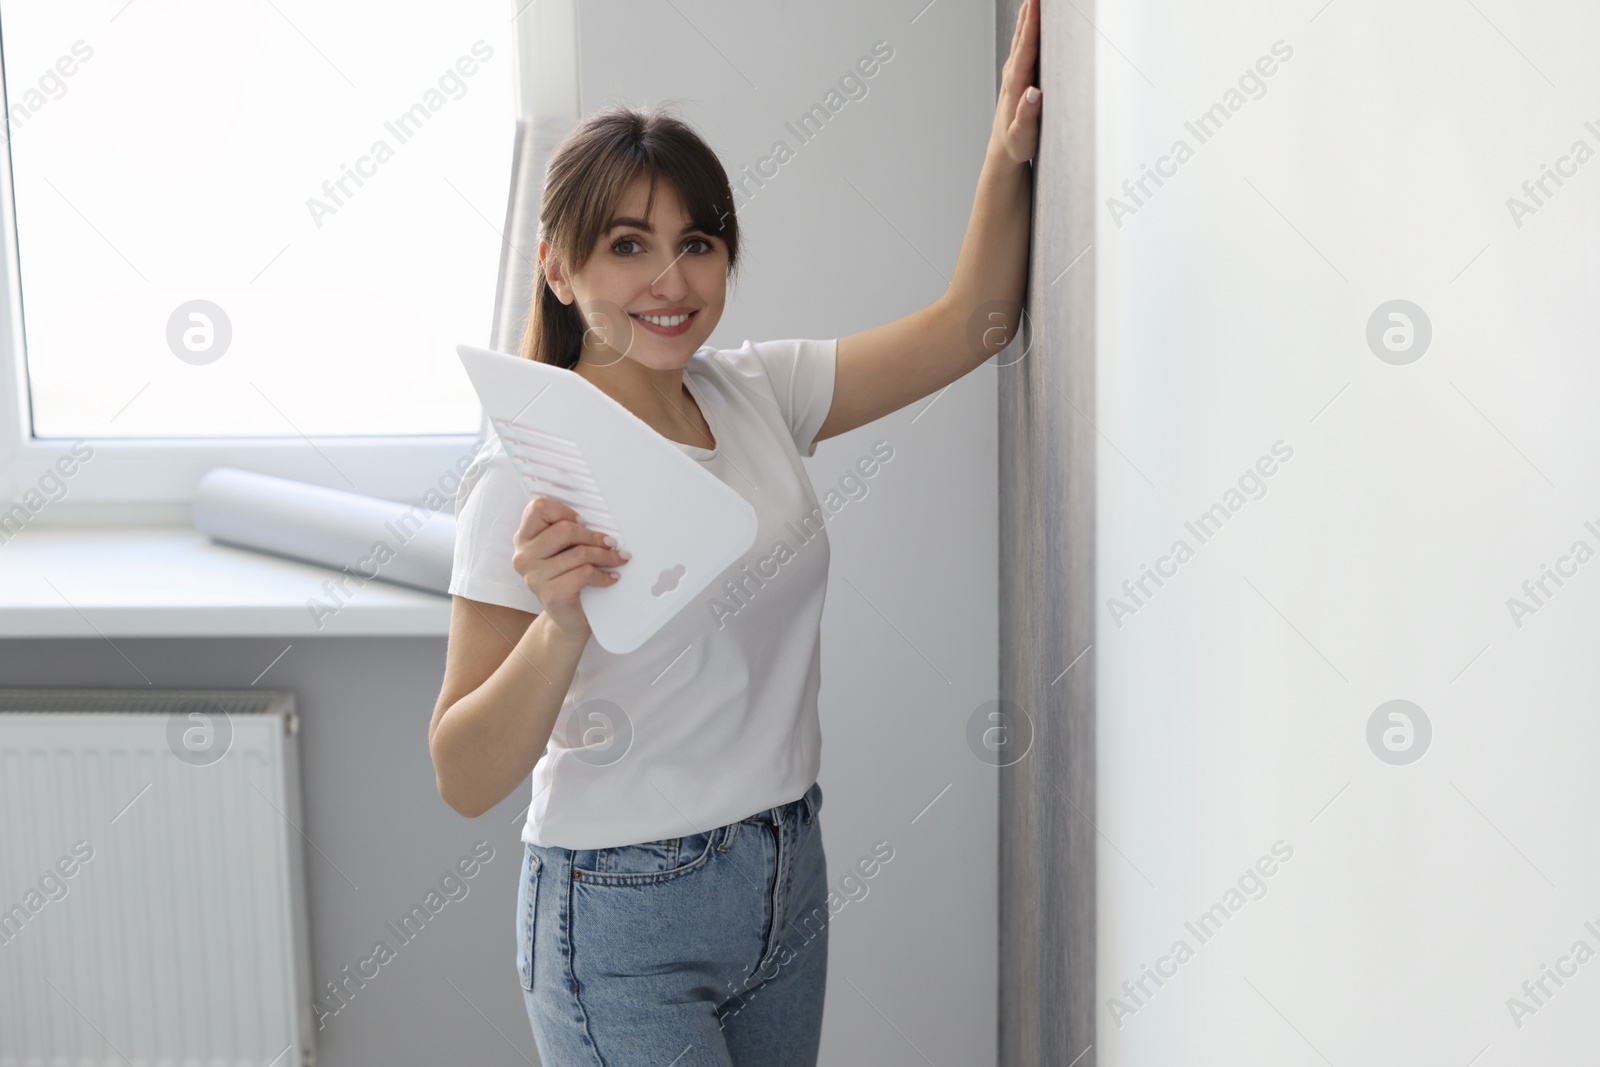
(673, 904)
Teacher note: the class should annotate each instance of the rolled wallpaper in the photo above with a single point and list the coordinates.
(408, 544)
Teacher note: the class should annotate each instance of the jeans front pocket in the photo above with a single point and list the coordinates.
(652, 861)
(527, 904)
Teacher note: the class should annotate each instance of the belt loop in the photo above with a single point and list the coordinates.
(811, 805)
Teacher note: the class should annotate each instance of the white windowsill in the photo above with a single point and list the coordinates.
(173, 581)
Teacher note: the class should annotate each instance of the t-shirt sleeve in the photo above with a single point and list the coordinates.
(802, 374)
(489, 506)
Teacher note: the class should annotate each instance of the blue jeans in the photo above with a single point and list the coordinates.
(709, 950)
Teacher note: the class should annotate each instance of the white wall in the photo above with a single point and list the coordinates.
(909, 633)
(1378, 564)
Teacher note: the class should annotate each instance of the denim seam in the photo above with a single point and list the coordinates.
(780, 879)
(572, 976)
(527, 932)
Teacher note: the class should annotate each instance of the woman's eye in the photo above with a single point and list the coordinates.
(617, 247)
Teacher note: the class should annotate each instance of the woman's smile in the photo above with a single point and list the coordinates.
(669, 322)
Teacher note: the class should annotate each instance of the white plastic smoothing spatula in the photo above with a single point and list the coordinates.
(572, 442)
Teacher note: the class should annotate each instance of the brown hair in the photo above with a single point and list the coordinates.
(586, 177)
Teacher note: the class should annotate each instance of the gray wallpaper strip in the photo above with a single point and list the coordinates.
(1047, 500)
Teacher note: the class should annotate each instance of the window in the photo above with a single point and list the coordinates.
(264, 223)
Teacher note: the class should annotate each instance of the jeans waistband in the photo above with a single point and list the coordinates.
(804, 807)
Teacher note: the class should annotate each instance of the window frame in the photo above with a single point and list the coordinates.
(133, 478)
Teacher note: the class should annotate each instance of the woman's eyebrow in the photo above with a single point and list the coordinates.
(641, 224)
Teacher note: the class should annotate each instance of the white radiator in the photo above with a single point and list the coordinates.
(152, 886)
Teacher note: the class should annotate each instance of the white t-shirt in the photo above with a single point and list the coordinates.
(714, 718)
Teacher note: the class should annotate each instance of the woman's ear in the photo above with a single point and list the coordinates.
(553, 275)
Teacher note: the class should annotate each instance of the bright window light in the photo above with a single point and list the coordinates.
(265, 219)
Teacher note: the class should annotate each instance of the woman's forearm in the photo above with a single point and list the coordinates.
(993, 262)
(487, 742)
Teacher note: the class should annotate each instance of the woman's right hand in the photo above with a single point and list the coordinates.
(557, 555)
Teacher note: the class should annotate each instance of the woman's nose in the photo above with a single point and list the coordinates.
(669, 280)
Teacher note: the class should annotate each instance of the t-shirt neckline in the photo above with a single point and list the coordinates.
(705, 410)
